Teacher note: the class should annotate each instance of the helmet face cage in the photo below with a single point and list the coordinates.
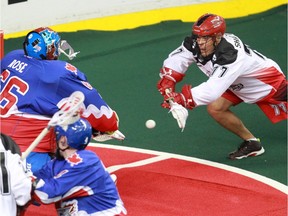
(78, 134)
(42, 43)
(209, 25)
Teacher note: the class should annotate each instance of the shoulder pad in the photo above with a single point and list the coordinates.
(9, 144)
(225, 53)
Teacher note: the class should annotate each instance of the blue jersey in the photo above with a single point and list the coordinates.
(79, 184)
(33, 90)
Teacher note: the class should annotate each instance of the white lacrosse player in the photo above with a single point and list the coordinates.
(236, 74)
(15, 185)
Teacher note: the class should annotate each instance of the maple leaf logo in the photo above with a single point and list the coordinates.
(71, 68)
(74, 159)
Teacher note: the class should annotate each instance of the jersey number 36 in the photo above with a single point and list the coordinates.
(7, 98)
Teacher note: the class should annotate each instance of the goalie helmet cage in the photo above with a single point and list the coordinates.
(1, 44)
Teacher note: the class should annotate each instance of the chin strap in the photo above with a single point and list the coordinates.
(64, 148)
(59, 155)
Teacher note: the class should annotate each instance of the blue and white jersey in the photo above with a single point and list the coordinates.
(79, 185)
(32, 90)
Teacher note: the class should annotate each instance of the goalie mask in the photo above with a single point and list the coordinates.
(44, 43)
(78, 134)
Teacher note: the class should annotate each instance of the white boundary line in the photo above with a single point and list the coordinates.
(138, 163)
(164, 155)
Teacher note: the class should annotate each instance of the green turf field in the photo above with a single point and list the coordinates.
(124, 67)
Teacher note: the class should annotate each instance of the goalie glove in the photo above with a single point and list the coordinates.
(101, 137)
(21, 210)
(108, 135)
(184, 98)
(168, 80)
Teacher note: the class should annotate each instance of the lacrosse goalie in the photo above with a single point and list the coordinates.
(35, 84)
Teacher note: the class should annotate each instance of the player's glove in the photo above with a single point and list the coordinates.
(107, 135)
(168, 80)
(21, 210)
(104, 136)
(184, 98)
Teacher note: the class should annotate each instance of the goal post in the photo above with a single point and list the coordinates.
(1, 44)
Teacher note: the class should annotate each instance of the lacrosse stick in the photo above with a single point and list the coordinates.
(179, 112)
(68, 114)
(101, 137)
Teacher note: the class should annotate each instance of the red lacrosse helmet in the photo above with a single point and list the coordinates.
(209, 25)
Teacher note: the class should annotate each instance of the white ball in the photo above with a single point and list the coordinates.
(150, 123)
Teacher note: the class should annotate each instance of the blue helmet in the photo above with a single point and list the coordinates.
(42, 43)
(78, 134)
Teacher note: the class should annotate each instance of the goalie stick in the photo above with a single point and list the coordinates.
(68, 114)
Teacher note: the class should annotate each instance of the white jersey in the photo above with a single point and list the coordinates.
(233, 66)
(15, 185)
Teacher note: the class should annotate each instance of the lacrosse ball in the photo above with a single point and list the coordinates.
(150, 123)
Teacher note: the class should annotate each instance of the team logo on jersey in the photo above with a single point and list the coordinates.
(236, 87)
(71, 68)
(74, 159)
(87, 85)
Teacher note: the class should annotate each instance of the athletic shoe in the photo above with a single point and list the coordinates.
(247, 149)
